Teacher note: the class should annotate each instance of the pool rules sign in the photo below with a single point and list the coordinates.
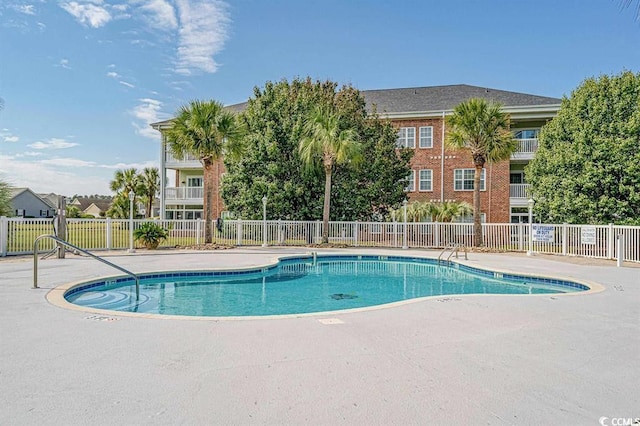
(542, 233)
(588, 235)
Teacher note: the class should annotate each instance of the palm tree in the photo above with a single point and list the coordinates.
(125, 181)
(206, 130)
(448, 210)
(149, 184)
(482, 128)
(326, 144)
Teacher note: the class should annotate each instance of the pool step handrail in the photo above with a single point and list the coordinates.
(455, 248)
(64, 243)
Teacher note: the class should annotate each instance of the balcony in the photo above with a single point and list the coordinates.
(518, 194)
(184, 194)
(526, 149)
(188, 162)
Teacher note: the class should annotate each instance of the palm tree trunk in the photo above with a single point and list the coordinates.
(149, 207)
(208, 177)
(327, 201)
(477, 224)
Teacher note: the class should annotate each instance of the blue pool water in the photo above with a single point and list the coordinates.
(296, 286)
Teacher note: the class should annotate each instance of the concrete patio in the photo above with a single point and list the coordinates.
(490, 360)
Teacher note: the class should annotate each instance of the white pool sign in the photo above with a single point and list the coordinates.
(542, 233)
(588, 235)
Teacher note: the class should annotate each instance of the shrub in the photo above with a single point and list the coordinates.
(150, 234)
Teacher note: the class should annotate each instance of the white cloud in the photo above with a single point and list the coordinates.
(29, 154)
(27, 9)
(148, 111)
(92, 13)
(202, 34)
(124, 83)
(42, 177)
(53, 143)
(11, 138)
(120, 166)
(64, 63)
(160, 14)
(113, 74)
(68, 162)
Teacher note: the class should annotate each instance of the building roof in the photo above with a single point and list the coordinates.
(430, 99)
(14, 192)
(445, 98)
(84, 203)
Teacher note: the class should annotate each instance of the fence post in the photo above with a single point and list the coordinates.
(520, 238)
(239, 233)
(199, 230)
(564, 239)
(355, 233)
(436, 234)
(318, 232)
(610, 242)
(107, 225)
(4, 235)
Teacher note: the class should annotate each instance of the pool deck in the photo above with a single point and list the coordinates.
(490, 359)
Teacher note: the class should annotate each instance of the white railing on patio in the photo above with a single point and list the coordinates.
(519, 190)
(184, 193)
(597, 241)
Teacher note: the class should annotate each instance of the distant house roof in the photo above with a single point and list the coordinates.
(430, 99)
(84, 203)
(50, 198)
(14, 192)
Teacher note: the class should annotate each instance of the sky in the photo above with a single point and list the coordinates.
(80, 81)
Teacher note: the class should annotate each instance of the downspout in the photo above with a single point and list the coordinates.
(490, 184)
(163, 175)
(442, 163)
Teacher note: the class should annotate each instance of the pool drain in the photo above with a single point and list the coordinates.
(340, 296)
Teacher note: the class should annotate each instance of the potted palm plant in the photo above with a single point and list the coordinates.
(150, 235)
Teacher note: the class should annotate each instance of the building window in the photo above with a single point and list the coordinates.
(463, 179)
(411, 182)
(20, 212)
(426, 181)
(526, 134)
(407, 137)
(194, 182)
(426, 137)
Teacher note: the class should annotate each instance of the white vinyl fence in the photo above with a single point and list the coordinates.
(597, 241)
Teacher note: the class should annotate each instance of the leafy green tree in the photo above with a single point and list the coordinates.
(482, 128)
(325, 145)
(208, 131)
(5, 199)
(149, 186)
(275, 119)
(73, 212)
(587, 166)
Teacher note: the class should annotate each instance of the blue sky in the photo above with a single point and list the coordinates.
(81, 80)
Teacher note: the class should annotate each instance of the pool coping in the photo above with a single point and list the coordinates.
(56, 296)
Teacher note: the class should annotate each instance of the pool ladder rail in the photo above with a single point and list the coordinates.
(66, 244)
(454, 248)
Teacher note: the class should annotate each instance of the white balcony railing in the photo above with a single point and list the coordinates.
(526, 149)
(188, 158)
(519, 190)
(184, 193)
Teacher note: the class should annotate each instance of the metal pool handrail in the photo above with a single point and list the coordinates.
(64, 243)
(455, 248)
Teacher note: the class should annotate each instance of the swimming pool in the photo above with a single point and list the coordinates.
(304, 285)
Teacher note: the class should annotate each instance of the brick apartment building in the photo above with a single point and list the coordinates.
(438, 174)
